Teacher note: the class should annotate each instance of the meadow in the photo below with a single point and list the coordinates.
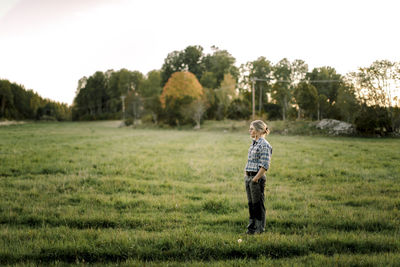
(90, 192)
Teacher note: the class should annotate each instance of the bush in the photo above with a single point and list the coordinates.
(395, 119)
(292, 113)
(47, 118)
(147, 118)
(129, 121)
(239, 109)
(373, 120)
(274, 111)
(87, 117)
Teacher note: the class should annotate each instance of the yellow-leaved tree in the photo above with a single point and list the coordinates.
(181, 89)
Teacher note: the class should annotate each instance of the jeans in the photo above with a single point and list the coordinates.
(255, 198)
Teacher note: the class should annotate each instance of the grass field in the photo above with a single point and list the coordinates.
(95, 193)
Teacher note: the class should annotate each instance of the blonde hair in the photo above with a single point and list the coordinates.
(260, 127)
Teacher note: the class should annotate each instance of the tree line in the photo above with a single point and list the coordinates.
(192, 86)
(17, 103)
(104, 95)
(210, 86)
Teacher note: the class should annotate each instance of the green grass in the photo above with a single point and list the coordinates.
(95, 193)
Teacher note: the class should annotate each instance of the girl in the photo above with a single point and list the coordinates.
(259, 158)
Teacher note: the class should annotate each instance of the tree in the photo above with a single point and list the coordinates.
(192, 57)
(373, 120)
(298, 72)
(220, 62)
(347, 102)
(209, 69)
(374, 86)
(36, 102)
(225, 94)
(18, 103)
(281, 89)
(151, 91)
(99, 96)
(96, 92)
(258, 69)
(327, 82)
(123, 81)
(181, 89)
(194, 111)
(187, 60)
(377, 82)
(6, 96)
(211, 102)
(133, 100)
(306, 96)
(322, 106)
(208, 80)
(81, 84)
(21, 102)
(118, 84)
(216, 66)
(239, 109)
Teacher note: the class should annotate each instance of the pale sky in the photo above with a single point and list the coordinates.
(48, 45)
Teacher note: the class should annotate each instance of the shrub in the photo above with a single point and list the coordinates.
(373, 120)
(274, 111)
(129, 121)
(239, 109)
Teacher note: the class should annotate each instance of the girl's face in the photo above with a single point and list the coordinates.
(253, 132)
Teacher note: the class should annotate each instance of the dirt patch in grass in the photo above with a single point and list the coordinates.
(7, 123)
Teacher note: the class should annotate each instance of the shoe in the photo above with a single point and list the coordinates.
(251, 224)
(248, 232)
(251, 227)
(259, 227)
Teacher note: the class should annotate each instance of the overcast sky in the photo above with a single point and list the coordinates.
(48, 45)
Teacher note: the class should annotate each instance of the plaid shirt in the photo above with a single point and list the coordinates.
(260, 153)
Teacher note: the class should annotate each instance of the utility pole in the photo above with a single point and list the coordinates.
(253, 99)
(134, 107)
(123, 108)
(260, 101)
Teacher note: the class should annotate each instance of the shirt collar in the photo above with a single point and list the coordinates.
(258, 141)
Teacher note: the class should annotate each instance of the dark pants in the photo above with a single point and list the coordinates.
(255, 199)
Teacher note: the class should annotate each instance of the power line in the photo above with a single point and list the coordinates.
(288, 81)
